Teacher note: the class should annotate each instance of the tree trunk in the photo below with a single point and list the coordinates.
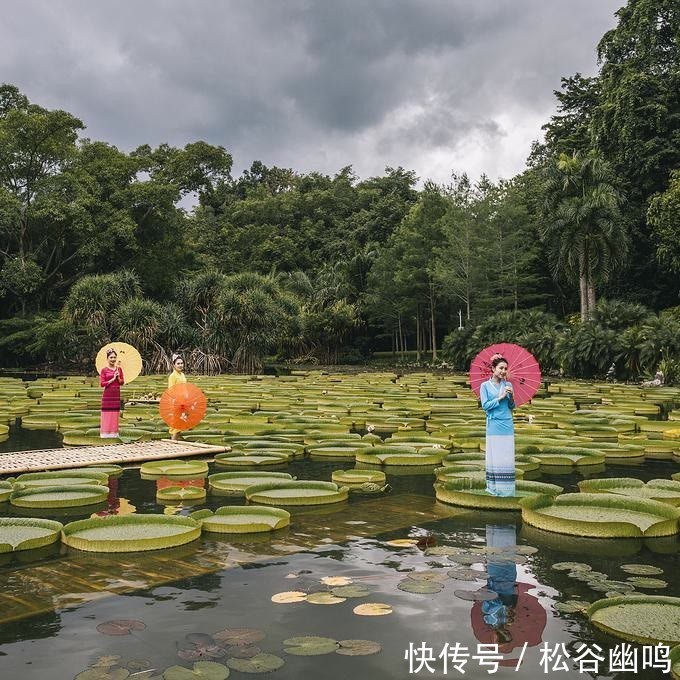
(434, 333)
(401, 338)
(591, 298)
(418, 345)
(583, 294)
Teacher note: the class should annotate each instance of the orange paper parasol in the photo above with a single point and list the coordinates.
(128, 358)
(183, 406)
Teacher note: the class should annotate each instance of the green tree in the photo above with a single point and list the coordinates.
(583, 231)
(664, 219)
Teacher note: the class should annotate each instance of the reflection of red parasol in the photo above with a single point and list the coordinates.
(527, 626)
(523, 370)
(183, 406)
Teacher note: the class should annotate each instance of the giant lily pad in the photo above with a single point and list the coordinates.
(26, 533)
(260, 663)
(173, 468)
(254, 459)
(235, 483)
(59, 496)
(674, 657)
(373, 609)
(358, 647)
(663, 490)
(61, 478)
(234, 519)
(5, 490)
(130, 533)
(601, 515)
(564, 456)
(181, 493)
(352, 478)
(297, 493)
(309, 646)
(472, 493)
(202, 670)
(645, 619)
(398, 455)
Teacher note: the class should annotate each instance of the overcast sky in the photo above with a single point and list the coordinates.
(431, 85)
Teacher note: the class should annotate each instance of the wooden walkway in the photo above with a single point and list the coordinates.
(73, 457)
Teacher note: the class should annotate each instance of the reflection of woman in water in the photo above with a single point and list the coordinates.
(515, 617)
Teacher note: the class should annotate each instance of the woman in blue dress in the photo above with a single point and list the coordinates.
(496, 396)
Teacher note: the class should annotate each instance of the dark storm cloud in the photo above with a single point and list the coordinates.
(313, 84)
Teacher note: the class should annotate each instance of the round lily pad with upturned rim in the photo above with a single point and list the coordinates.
(645, 619)
(174, 468)
(309, 646)
(357, 477)
(601, 515)
(254, 459)
(61, 478)
(27, 533)
(236, 519)
(130, 533)
(181, 493)
(235, 483)
(5, 490)
(297, 493)
(472, 493)
(663, 490)
(69, 496)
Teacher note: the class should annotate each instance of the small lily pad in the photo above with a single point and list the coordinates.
(120, 627)
(481, 595)
(402, 543)
(324, 598)
(239, 637)
(571, 606)
(372, 609)
(353, 590)
(466, 574)
(289, 596)
(336, 580)
(421, 587)
(641, 569)
(202, 670)
(242, 652)
(101, 673)
(429, 575)
(309, 646)
(358, 647)
(644, 582)
(571, 566)
(261, 663)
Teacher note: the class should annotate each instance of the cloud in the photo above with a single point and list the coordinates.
(432, 85)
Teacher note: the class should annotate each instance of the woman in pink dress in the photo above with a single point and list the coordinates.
(110, 378)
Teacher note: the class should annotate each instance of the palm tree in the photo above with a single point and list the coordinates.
(584, 230)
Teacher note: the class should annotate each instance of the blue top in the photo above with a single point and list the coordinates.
(498, 412)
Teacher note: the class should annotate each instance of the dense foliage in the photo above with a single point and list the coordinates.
(94, 244)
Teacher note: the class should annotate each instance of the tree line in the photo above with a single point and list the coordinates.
(330, 268)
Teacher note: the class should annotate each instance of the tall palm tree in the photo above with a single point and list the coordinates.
(584, 230)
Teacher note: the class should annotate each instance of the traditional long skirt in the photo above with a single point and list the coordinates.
(108, 424)
(500, 458)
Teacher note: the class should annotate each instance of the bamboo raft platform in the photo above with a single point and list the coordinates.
(19, 462)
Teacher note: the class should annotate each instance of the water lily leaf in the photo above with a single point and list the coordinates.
(467, 558)
(243, 652)
(571, 566)
(200, 653)
(522, 549)
(289, 596)
(430, 575)
(443, 550)
(351, 591)
(101, 673)
(336, 580)
(466, 574)
(309, 646)
(203, 670)
(372, 609)
(641, 569)
(106, 661)
(260, 663)
(402, 543)
(239, 637)
(423, 587)
(481, 595)
(136, 665)
(120, 627)
(571, 606)
(358, 647)
(202, 639)
(324, 598)
(644, 582)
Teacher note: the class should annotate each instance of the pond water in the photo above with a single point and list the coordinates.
(52, 603)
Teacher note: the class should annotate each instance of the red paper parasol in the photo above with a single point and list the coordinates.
(529, 620)
(523, 370)
(183, 406)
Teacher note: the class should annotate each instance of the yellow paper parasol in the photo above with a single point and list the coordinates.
(129, 359)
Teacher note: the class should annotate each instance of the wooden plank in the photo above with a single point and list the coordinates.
(73, 457)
